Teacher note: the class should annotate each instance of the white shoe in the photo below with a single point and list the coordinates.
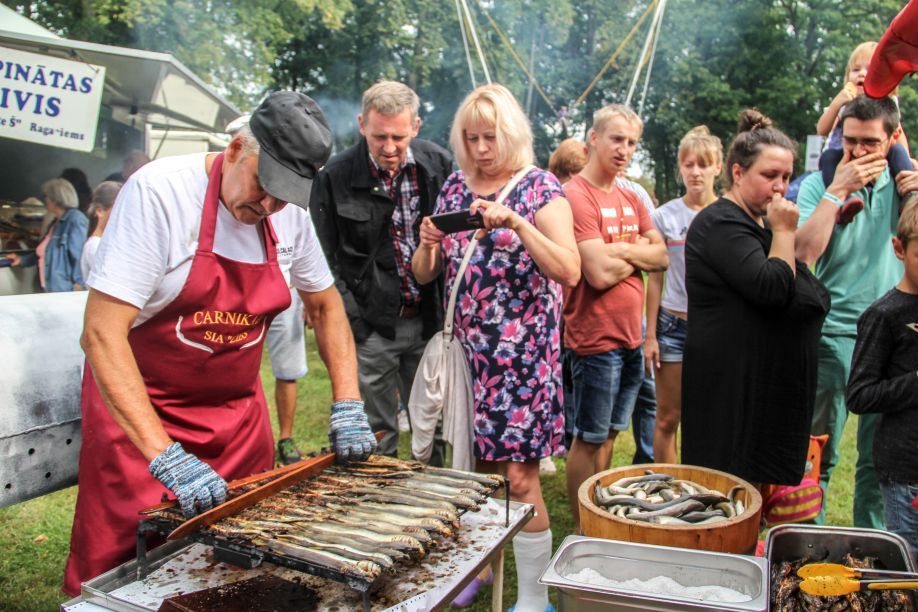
(403, 425)
(547, 466)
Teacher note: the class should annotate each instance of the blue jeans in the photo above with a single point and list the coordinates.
(644, 421)
(671, 331)
(901, 516)
(605, 388)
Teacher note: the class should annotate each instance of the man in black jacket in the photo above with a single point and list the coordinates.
(367, 205)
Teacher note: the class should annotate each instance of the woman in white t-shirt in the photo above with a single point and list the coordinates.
(700, 161)
(103, 198)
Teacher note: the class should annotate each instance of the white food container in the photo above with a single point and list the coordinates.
(621, 561)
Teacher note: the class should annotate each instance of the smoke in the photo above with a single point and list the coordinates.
(342, 119)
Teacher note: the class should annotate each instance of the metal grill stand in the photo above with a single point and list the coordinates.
(183, 567)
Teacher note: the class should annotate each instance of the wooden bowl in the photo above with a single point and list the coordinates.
(736, 535)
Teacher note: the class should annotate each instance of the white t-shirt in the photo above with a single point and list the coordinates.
(88, 255)
(145, 254)
(673, 220)
(643, 196)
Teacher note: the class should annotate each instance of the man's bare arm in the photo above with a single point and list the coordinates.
(105, 341)
(648, 254)
(812, 238)
(600, 269)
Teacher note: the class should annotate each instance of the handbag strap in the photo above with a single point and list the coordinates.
(467, 256)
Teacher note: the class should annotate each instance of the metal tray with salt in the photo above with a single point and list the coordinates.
(606, 575)
(662, 585)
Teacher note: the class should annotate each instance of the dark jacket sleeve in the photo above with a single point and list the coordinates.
(28, 259)
(869, 388)
(322, 209)
(733, 250)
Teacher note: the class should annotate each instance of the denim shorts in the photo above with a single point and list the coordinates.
(901, 516)
(286, 341)
(671, 336)
(605, 387)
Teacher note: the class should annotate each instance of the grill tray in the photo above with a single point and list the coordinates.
(249, 556)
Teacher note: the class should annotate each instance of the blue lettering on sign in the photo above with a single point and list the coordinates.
(52, 131)
(40, 75)
(36, 103)
(27, 100)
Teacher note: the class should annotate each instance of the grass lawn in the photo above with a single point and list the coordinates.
(35, 535)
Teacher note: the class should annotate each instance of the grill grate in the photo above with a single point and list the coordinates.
(378, 474)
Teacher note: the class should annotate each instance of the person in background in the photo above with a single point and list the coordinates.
(508, 311)
(58, 253)
(103, 198)
(749, 369)
(286, 342)
(829, 125)
(367, 205)
(567, 161)
(80, 183)
(700, 162)
(644, 415)
(603, 314)
(856, 264)
(884, 380)
(133, 161)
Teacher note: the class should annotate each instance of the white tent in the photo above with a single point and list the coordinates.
(154, 87)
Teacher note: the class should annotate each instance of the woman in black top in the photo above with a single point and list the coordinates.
(749, 374)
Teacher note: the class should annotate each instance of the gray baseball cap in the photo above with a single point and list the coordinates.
(295, 143)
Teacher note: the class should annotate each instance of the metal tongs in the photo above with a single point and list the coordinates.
(833, 579)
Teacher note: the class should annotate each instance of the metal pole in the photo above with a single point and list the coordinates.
(653, 54)
(644, 49)
(468, 16)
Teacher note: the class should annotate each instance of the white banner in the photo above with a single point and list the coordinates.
(48, 100)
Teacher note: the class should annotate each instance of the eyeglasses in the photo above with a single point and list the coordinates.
(868, 143)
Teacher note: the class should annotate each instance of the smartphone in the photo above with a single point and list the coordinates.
(459, 221)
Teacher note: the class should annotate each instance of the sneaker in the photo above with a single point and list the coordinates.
(467, 596)
(287, 452)
(403, 424)
(547, 466)
(849, 210)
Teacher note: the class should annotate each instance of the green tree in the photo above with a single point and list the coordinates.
(786, 57)
(230, 45)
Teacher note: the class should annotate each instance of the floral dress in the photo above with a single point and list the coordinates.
(507, 319)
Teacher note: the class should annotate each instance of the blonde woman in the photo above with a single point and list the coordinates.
(58, 253)
(701, 158)
(509, 306)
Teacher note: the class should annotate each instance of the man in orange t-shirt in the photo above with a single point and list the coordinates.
(603, 313)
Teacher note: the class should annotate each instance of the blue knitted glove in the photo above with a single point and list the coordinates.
(196, 485)
(349, 432)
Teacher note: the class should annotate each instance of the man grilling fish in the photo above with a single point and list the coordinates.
(186, 281)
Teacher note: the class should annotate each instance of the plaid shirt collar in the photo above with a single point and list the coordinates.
(379, 173)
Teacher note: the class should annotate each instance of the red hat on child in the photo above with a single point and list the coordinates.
(897, 54)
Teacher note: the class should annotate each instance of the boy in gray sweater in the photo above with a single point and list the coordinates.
(884, 379)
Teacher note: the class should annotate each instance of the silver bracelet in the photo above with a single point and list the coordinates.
(832, 198)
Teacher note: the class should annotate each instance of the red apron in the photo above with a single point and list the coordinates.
(200, 359)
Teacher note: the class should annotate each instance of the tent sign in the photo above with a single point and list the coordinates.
(48, 100)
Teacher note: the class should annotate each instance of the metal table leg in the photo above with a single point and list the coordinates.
(497, 590)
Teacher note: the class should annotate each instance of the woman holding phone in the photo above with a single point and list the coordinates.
(509, 305)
